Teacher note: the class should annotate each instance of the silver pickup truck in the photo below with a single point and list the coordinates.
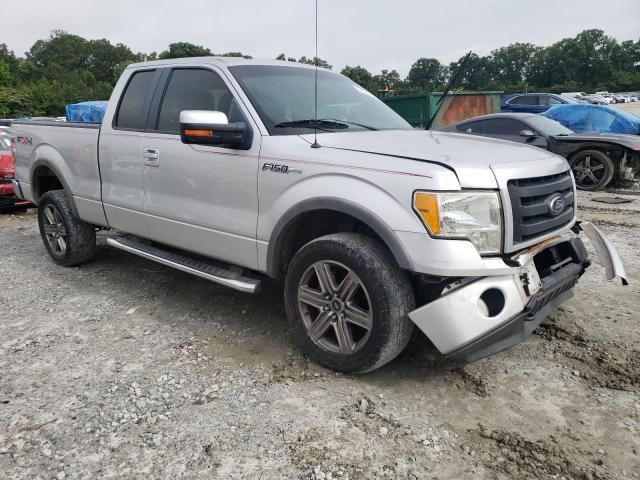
(230, 169)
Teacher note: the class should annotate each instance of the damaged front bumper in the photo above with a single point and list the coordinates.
(478, 317)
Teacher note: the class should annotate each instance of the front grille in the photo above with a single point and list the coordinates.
(532, 217)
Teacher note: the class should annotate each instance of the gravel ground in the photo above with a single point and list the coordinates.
(126, 369)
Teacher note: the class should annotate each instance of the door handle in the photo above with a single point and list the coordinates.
(151, 157)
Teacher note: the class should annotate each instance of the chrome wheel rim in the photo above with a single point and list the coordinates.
(589, 171)
(54, 230)
(335, 307)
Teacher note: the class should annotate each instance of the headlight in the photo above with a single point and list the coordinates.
(475, 216)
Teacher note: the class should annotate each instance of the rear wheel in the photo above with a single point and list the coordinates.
(68, 240)
(347, 302)
(592, 169)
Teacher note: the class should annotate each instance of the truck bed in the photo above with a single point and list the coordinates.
(70, 148)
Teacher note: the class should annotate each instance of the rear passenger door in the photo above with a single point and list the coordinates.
(120, 153)
(200, 198)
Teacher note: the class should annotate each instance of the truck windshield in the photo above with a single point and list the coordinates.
(284, 98)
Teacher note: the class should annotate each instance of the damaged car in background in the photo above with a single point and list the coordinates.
(595, 158)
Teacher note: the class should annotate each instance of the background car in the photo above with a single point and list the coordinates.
(594, 158)
(595, 118)
(8, 200)
(533, 102)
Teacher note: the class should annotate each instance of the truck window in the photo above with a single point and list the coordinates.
(195, 89)
(130, 112)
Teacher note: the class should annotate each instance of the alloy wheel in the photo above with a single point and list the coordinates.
(588, 170)
(335, 307)
(54, 230)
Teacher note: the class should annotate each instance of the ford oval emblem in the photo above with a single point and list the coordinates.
(556, 204)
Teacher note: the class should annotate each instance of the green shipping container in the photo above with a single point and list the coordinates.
(418, 108)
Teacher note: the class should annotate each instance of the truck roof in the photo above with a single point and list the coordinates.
(220, 61)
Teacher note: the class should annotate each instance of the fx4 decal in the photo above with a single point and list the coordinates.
(274, 167)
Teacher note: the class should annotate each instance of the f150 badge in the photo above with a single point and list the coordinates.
(276, 168)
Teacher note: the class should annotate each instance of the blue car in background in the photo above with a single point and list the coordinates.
(586, 118)
(533, 102)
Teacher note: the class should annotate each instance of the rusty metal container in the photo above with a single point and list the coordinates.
(417, 109)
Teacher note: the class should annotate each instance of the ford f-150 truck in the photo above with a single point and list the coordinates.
(233, 170)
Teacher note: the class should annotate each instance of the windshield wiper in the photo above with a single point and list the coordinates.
(351, 123)
(326, 125)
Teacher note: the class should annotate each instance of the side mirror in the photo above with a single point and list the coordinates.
(209, 127)
(528, 133)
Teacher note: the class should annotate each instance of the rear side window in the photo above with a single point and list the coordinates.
(525, 100)
(195, 89)
(471, 127)
(502, 126)
(131, 110)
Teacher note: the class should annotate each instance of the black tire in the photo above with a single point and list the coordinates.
(592, 169)
(383, 286)
(79, 237)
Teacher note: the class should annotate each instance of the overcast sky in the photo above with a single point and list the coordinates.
(372, 33)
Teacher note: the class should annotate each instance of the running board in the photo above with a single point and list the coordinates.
(200, 268)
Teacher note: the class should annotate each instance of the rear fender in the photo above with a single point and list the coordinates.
(49, 157)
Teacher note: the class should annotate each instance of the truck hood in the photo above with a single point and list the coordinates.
(470, 157)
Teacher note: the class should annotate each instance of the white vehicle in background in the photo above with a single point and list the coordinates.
(602, 99)
(574, 95)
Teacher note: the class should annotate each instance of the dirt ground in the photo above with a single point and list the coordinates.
(126, 369)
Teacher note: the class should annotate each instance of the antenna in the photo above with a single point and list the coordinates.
(315, 109)
(452, 83)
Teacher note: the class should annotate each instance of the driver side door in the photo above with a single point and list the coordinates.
(200, 198)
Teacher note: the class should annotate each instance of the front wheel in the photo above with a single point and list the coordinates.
(68, 240)
(347, 302)
(592, 169)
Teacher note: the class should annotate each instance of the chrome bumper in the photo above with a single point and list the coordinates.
(486, 315)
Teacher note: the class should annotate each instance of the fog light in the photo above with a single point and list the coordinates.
(491, 302)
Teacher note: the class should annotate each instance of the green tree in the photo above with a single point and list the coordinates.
(511, 65)
(427, 74)
(5, 74)
(104, 59)
(387, 80)
(70, 52)
(183, 50)
(312, 61)
(476, 75)
(360, 75)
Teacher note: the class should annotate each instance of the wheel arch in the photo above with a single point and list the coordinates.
(46, 176)
(286, 233)
(614, 151)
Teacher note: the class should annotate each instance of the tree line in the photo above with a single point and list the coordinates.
(66, 68)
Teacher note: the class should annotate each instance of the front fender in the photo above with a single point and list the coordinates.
(346, 194)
